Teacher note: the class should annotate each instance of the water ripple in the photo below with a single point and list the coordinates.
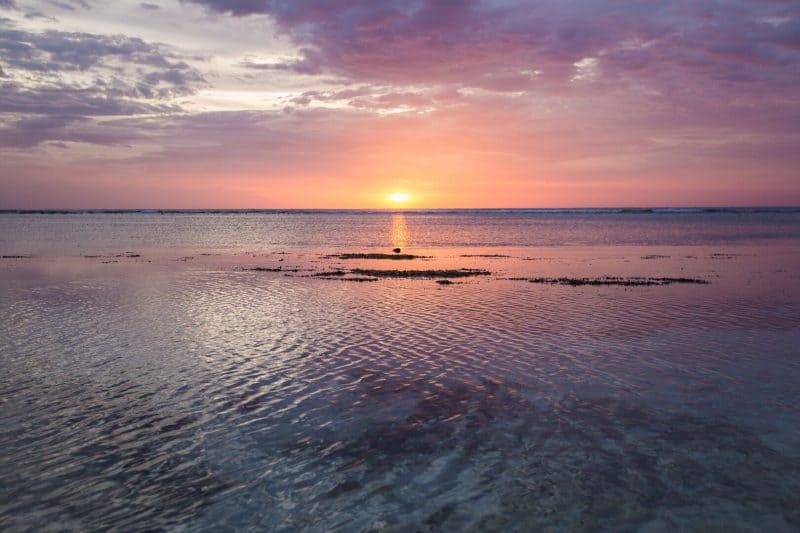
(213, 399)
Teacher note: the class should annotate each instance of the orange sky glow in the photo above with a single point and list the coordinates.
(217, 104)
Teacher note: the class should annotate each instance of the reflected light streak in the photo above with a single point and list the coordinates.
(399, 231)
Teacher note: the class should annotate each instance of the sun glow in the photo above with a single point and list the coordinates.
(399, 197)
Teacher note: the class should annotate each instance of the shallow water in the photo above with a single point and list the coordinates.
(149, 386)
(78, 233)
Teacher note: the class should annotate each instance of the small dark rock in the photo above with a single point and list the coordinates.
(343, 487)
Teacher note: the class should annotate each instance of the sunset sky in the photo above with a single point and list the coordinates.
(342, 103)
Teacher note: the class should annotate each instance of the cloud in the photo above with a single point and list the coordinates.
(54, 74)
(30, 132)
(68, 51)
(69, 5)
(96, 100)
(494, 44)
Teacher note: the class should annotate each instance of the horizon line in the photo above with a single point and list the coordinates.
(154, 210)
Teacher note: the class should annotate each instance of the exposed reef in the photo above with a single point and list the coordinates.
(421, 274)
(609, 280)
(395, 256)
(327, 274)
(126, 255)
(351, 278)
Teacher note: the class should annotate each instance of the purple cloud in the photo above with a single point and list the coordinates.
(41, 99)
(494, 44)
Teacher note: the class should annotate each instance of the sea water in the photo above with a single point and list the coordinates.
(152, 379)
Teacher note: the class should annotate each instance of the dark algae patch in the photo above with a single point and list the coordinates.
(359, 279)
(126, 255)
(591, 463)
(728, 256)
(339, 275)
(15, 256)
(485, 255)
(608, 280)
(368, 274)
(421, 274)
(328, 274)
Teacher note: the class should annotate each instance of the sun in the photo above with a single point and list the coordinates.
(399, 197)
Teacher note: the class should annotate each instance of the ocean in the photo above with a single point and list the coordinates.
(506, 370)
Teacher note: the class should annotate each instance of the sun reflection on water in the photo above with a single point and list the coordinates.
(399, 231)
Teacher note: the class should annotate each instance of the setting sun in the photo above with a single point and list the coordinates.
(399, 197)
